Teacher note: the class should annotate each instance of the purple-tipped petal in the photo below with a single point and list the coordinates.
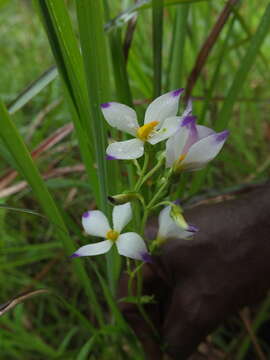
(75, 255)
(188, 120)
(222, 135)
(86, 214)
(98, 248)
(125, 150)
(146, 257)
(131, 245)
(190, 123)
(120, 116)
(105, 105)
(121, 216)
(163, 107)
(192, 228)
(188, 109)
(110, 157)
(177, 92)
(96, 224)
(204, 131)
(203, 151)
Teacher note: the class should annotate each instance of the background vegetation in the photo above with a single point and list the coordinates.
(219, 53)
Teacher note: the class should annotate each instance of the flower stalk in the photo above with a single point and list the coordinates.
(189, 147)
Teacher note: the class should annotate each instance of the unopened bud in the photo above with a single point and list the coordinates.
(177, 215)
(123, 198)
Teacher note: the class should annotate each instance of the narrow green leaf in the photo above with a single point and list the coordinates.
(110, 300)
(157, 29)
(95, 56)
(71, 308)
(243, 71)
(57, 24)
(126, 15)
(176, 65)
(33, 89)
(119, 66)
(21, 155)
(216, 73)
(123, 96)
(242, 22)
(91, 28)
(86, 349)
(199, 178)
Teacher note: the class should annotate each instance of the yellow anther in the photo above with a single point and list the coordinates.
(144, 131)
(112, 235)
(177, 167)
(181, 157)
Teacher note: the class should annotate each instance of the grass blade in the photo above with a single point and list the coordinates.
(95, 54)
(157, 29)
(246, 65)
(33, 89)
(178, 47)
(65, 48)
(90, 18)
(21, 155)
(208, 45)
(199, 178)
(126, 15)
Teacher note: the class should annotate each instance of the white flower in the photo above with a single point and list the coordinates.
(193, 146)
(169, 229)
(160, 122)
(96, 223)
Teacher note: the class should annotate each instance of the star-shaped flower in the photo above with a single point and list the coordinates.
(128, 244)
(160, 122)
(193, 146)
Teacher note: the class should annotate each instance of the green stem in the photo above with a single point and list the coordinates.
(166, 202)
(144, 168)
(157, 195)
(148, 320)
(137, 165)
(151, 172)
(144, 219)
(138, 294)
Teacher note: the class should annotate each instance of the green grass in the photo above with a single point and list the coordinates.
(80, 320)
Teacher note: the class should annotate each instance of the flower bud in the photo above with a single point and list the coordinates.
(123, 198)
(177, 215)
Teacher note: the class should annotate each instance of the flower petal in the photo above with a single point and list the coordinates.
(129, 149)
(188, 109)
(95, 223)
(169, 127)
(169, 229)
(204, 151)
(131, 245)
(163, 107)
(121, 117)
(93, 249)
(175, 146)
(122, 215)
(204, 131)
(189, 122)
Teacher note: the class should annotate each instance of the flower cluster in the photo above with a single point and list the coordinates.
(189, 147)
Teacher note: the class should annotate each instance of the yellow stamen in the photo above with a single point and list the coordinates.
(144, 131)
(112, 235)
(181, 157)
(178, 163)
